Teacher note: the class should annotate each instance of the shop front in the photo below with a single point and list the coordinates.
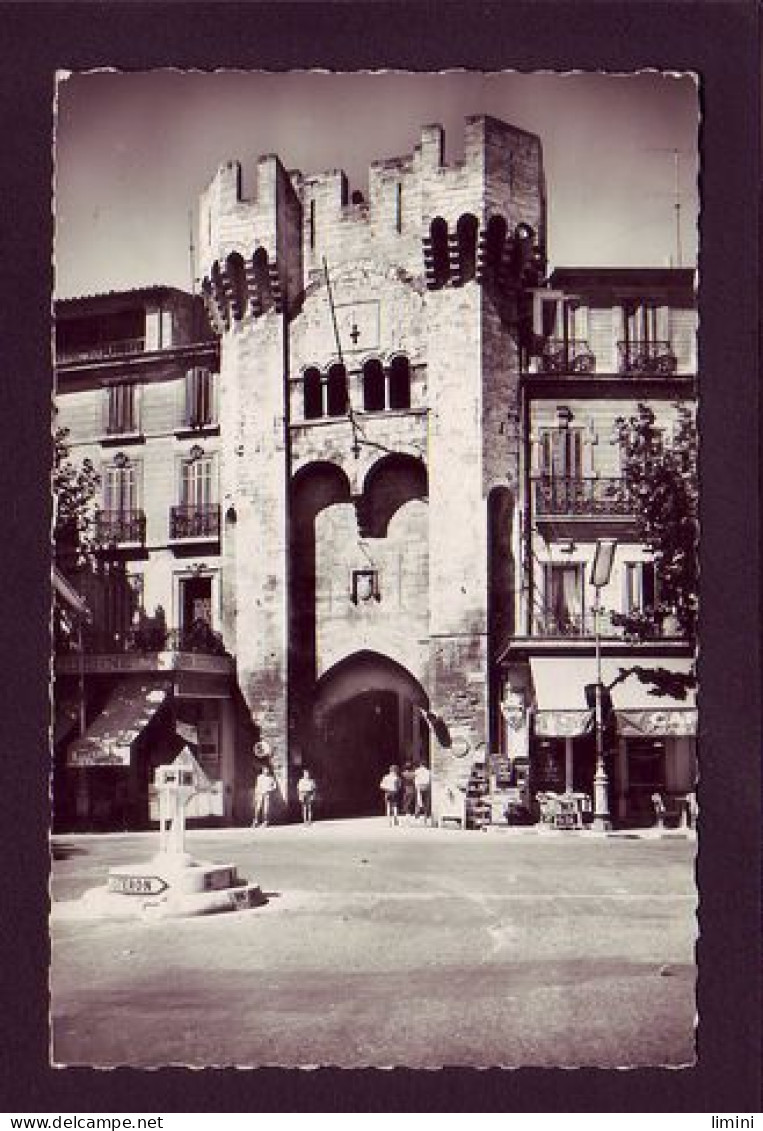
(137, 720)
(649, 740)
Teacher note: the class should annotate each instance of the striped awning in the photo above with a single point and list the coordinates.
(561, 711)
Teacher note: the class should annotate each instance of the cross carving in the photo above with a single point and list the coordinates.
(354, 333)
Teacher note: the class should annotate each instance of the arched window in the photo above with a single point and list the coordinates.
(399, 383)
(262, 278)
(438, 232)
(236, 273)
(466, 230)
(336, 391)
(218, 290)
(495, 241)
(373, 386)
(313, 393)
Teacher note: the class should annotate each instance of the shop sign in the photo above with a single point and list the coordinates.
(137, 885)
(93, 752)
(677, 723)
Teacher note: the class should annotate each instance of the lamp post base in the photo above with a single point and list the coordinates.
(601, 820)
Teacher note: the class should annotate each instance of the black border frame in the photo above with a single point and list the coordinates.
(718, 40)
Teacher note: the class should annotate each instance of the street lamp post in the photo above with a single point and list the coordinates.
(600, 574)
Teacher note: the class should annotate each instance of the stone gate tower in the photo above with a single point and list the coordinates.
(369, 414)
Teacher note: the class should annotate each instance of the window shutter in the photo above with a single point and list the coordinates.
(589, 441)
(185, 483)
(663, 323)
(108, 489)
(205, 407)
(188, 401)
(130, 488)
(536, 462)
(205, 470)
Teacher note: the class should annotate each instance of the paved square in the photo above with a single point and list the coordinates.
(378, 946)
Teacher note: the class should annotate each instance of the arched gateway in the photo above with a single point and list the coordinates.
(366, 715)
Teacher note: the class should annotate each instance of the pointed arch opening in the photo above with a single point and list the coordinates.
(367, 714)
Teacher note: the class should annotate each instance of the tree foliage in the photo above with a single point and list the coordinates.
(74, 491)
(660, 474)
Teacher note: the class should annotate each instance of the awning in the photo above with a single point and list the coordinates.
(109, 738)
(69, 595)
(560, 697)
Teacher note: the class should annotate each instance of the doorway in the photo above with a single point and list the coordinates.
(367, 716)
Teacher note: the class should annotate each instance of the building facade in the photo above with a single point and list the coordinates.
(137, 393)
(410, 430)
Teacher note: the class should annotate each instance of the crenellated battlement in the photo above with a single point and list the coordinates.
(259, 254)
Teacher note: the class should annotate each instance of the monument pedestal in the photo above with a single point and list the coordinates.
(172, 883)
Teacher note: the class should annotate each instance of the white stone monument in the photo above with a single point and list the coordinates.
(173, 883)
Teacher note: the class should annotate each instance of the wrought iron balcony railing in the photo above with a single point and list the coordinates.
(567, 625)
(97, 350)
(116, 528)
(187, 522)
(566, 357)
(145, 639)
(582, 497)
(583, 625)
(646, 359)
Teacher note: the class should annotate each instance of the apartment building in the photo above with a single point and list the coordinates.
(137, 393)
(611, 340)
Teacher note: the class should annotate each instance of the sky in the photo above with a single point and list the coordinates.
(133, 151)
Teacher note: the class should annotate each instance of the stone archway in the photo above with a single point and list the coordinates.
(366, 716)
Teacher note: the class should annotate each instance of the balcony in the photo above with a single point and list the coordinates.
(577, 626)
(584, 498)
(565, 626)
(646, 359)
(120, 528)
(145, 647)
(570, 356)
(98, 351)
(195, 523)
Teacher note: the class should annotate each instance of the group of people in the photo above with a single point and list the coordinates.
(407, 794)
(264, 788)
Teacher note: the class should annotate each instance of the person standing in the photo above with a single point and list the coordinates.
(408, 799)
(390, 786)
(422, 780)
(264, 789)
(306, 787)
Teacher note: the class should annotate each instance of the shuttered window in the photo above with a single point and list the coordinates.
(121, 415)
(199, 398)
(640, 586)
(560, 452)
